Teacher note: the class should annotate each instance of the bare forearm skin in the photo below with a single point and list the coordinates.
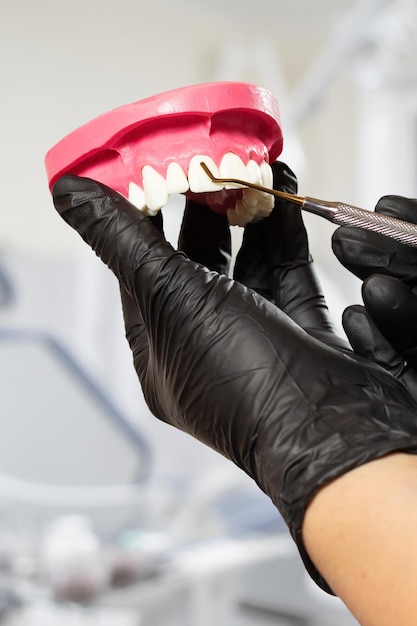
(361, 533)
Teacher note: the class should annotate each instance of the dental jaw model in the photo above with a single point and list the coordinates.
(153, 148)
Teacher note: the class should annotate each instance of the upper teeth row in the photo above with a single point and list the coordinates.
(157, 189)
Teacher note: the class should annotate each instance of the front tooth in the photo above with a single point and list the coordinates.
(232, 166)
(254, 172)
(136, 196)
(155, 188)
(240, 215)
(176, 179)
(198, 180)
(258, 200)
(251, 197)
(266, 174)
(246, 212)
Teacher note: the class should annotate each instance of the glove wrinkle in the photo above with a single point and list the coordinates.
(387, 299)
(136, 334)
(386, 330)
(367, 341)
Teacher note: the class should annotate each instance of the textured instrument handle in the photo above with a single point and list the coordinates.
(405, 232)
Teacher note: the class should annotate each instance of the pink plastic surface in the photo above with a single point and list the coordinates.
(211, 118)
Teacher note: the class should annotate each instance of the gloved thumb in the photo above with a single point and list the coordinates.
(118, 232)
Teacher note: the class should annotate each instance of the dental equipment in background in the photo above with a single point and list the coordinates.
(337, 212)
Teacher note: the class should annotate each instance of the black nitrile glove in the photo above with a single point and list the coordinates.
(205, 237)
(224, 364)
(275, 261)
(385, 329)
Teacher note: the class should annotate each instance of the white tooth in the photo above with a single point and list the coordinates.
(155, 188)
(198, 180)
(251, 197)
(254, 172)
(232, 166)
(176, 179)
(250, 206)
(240, 215)
(263, 212)
(266, 173)
(264, 201)
(247, 212)
(136, 196)
(233, 218)
(261, 203)
(150, 212)
(268, 203)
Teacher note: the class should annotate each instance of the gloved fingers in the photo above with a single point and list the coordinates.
(205, 237)
(399, 207)
(251, 268)
(295, 285)
(393, 307)
(123, 237)
(285, 237)
(136, 334)
(365, 253)
(368, 342)
(254, 265)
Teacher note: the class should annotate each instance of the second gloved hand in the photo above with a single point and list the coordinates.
(385, 329)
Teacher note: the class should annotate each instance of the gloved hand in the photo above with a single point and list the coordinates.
(385, 329)
(224, 364)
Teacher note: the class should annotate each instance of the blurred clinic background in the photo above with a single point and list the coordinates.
(106, 515)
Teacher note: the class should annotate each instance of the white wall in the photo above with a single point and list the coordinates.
(62, 64)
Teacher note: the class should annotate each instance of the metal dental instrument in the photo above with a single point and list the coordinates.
(337, 212)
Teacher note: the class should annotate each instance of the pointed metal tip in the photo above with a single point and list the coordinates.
(207, 170)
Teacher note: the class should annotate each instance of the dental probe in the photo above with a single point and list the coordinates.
(337, 212)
